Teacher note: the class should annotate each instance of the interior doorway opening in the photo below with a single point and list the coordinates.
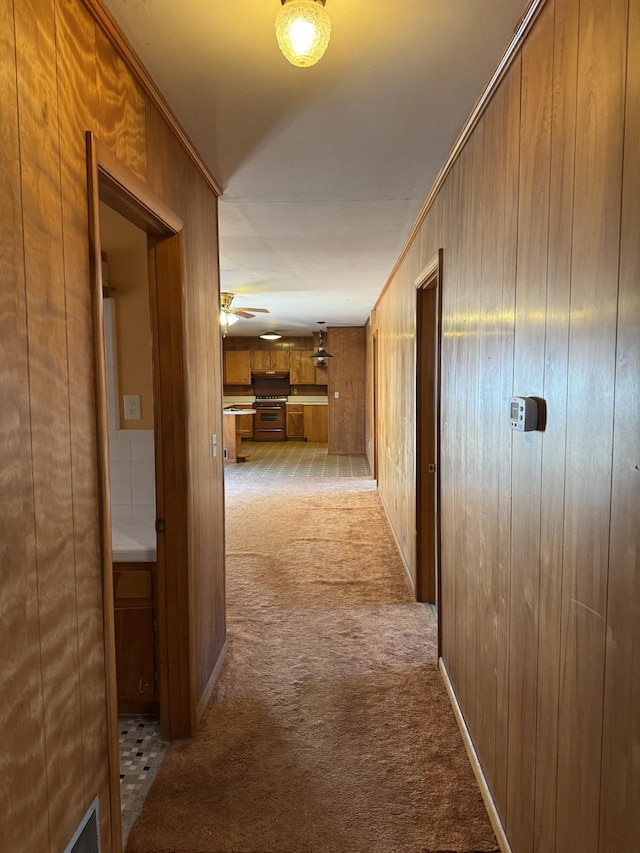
(168, 618)
(428, 343)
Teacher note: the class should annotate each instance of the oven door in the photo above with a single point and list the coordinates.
(269, 424)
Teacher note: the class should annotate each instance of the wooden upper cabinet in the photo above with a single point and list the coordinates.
(270, 359)
(237, 367)
(303, 368)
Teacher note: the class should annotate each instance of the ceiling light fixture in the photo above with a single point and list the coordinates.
(321, 352)
(228, 319)
(303, 29)
(270, 335)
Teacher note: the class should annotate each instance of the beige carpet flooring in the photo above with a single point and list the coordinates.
(329, 730)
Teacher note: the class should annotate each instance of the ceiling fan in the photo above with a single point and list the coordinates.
(229, 315)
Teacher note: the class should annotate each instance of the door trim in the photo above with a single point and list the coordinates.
(428, 344)
(110, 181)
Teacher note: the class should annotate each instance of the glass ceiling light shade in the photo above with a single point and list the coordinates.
(228, 319)
(270, 335)
(303, 29)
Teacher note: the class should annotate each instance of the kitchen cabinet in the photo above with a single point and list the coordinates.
(295, 421)
(316, 427)
(134, 618)
(244, 426)
(237, 367)
(269, 360)
(303, 368)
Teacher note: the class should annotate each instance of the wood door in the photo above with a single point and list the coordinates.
(427, 444)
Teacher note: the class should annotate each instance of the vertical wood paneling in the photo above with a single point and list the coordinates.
(61, 76)
(620, 777)
(591, 378)
(460, 418)
(446, 606)
(23, 783)
(543, 541)
(49, 404)
(500, 169)
(76, 68)
(346, 377)
(121, 108)
(563, 116)
(475, 214)
(507, 272)
(528, 380)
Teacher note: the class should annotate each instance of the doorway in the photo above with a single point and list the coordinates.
(428, 314)
(112, 184)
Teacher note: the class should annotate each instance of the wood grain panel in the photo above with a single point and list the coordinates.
(463, 502)
(23, 792)
(315, 423)
(121, 108)
(528, 380)
(620, 775)
(167, 313)
(591, 377)
(495, 319)
(507, 272)
(449, 446)
(75, 36)
(551, 555)
(346, 377)
(49, 397)
(555, 394)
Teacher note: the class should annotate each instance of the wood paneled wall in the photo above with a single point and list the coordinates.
(539, 220)
(346, 378)
(61, 77)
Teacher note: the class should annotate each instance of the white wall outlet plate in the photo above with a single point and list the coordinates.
(132, 407)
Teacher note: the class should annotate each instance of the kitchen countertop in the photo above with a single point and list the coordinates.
(292, 399)
(133, 540)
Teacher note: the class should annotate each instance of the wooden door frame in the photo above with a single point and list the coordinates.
(374, 402)
(114, 184)
(428, 432)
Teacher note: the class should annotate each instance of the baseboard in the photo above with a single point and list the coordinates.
(405, 565)
(208, 690)
(490, 806)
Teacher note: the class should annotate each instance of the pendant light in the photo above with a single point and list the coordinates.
(303, 29)
(320, 353)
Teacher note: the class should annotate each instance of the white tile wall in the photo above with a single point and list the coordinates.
(133, 486)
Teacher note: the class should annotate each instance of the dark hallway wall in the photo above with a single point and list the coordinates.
(538, 220)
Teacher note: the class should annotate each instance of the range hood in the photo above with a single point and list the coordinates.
(271, 383)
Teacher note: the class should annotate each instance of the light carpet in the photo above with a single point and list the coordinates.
(330, 730)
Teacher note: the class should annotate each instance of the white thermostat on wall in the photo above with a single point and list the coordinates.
(523, 413)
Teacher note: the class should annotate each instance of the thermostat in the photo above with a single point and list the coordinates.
(523, 413)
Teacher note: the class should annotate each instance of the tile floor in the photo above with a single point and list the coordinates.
(271, 459)
(141, 753)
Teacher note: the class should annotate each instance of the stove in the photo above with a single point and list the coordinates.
(270, 419)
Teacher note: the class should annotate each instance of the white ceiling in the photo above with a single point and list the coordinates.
(324, 169)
